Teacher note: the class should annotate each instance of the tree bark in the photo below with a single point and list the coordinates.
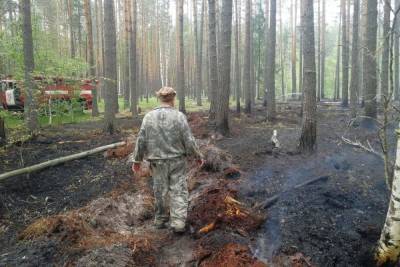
(386, 50)
(224, 94)
(110, 71)
(294, 46)
(355, 61)
(323, 49)
(370, 65)
(212, 46)
(91, 60)
(309, 125)
(31, 117)
(271, 65)
(237, 60)
(180, 57)
(70, 9)
(133, 59)
(388, 250)
(345, 57)
(2, 132)
(247, 59)
(397, 55)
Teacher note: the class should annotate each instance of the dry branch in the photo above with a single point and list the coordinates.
(58, 161)
(358, 144)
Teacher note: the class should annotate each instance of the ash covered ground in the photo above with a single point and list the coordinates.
(94, 212)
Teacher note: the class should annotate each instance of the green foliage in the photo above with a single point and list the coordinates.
(50, 59)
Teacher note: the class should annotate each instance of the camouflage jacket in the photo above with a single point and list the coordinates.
(164, 134)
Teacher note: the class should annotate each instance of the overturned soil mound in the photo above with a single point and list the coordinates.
(217, 207)
(233, 255)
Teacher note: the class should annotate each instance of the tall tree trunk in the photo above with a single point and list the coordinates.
(388, 251)
(345, 57)
(319, 53)
(2, 132)
(370, 70)
(198, 39)
(309, 125)
(212, 46)
(110, 71)
(91, 60)
(301, 69)
(224, 94)
(386, 51)
(133, 59)
(125, 59)
(31, 118)
(355, 61)
(271, 108)
(323, 49)
(336, 94)
(181, 57)
(266, 50)
(397, 55)
(237, 60)
(70, 9)
(247, 59)
(294, 46)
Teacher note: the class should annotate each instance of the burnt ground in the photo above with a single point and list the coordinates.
(333, 222)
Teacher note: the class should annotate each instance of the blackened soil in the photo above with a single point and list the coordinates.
(337, 221)
(25, 198)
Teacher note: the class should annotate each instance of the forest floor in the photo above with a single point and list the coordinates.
(93, 212)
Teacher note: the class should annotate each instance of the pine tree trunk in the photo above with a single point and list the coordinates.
(31, 118)
(212, 46)
(181, 57)
(133, 58)
(247, 59)
(70, 9)
(91, 60)
(266, 49)
(355, 61)
(110, 63)
(386, 50)
(370, 70)
(237, 60)
(388, 251)
(323, 49)
(271, 65)
(294, 46)
(345, 57)
(2, 132)
(224, 94)
(309, 124)
(397, 55)
(319, 53)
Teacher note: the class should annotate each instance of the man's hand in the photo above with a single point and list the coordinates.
(136, 167)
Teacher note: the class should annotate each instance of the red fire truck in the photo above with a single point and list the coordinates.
(12, 96)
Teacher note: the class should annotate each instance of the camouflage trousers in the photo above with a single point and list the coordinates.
(170, 191)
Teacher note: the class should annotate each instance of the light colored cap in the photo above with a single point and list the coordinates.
(166, 91)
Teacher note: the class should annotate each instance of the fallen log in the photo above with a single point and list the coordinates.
(58, 161)
(272, 200)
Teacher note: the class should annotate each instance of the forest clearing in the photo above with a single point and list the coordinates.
(200, 133)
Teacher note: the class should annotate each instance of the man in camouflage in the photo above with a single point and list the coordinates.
(166, 140)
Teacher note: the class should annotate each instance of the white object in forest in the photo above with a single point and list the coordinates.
(56, 92)
(388, 250)
(86, 92)
(274, 139)
(10, 97)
